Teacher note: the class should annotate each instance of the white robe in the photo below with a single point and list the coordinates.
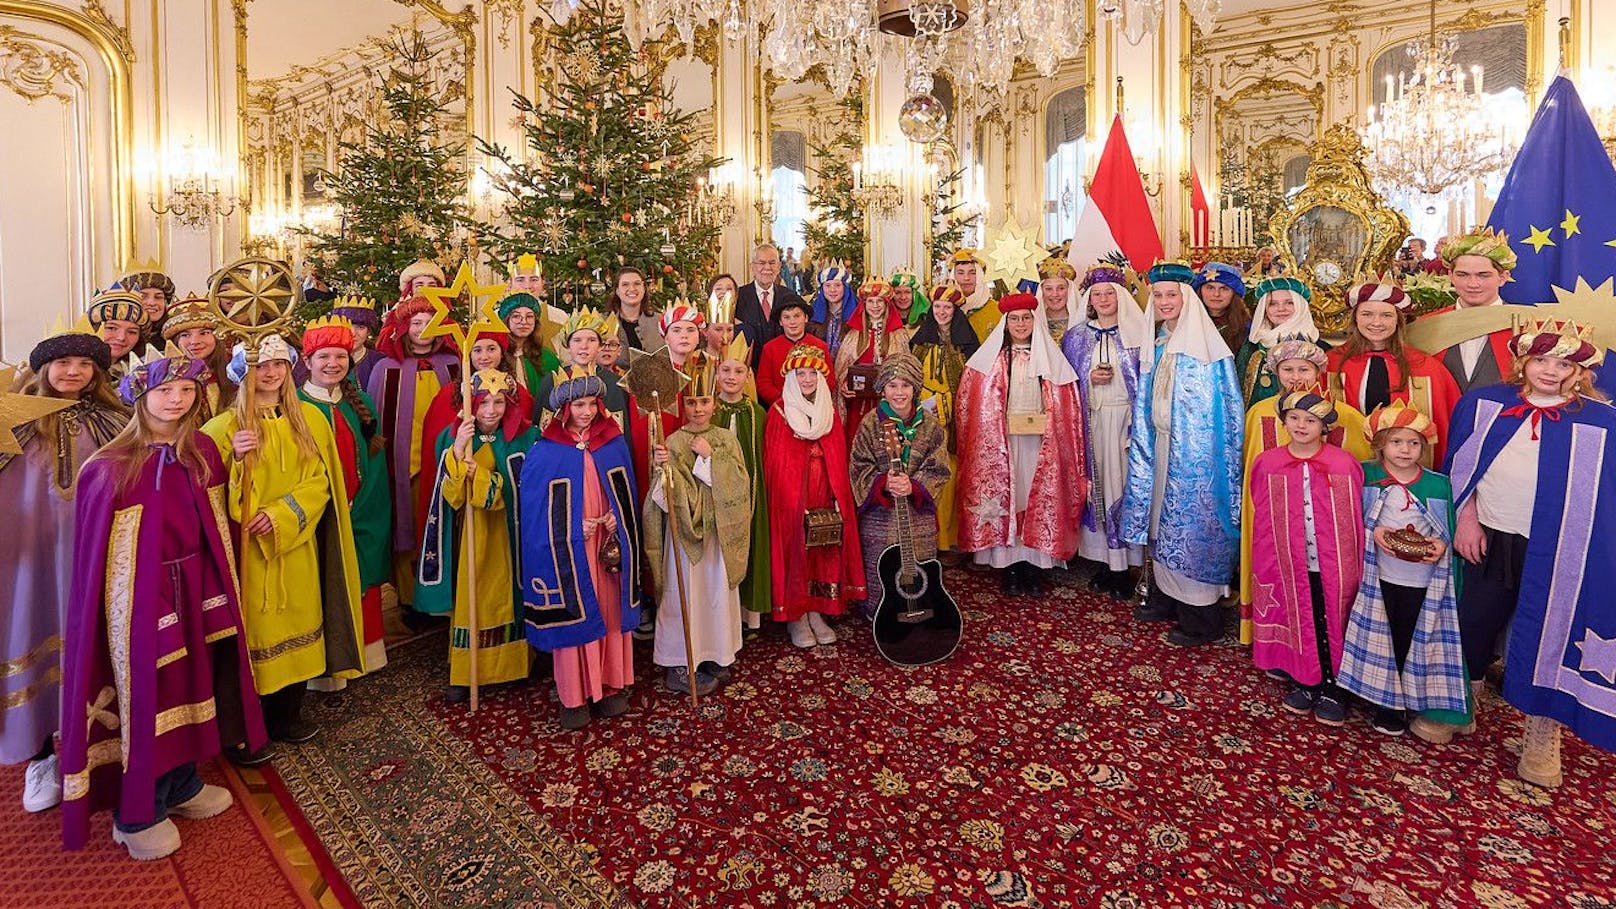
(715, 614)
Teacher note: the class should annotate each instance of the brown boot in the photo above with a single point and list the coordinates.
(1476, 688)
(1429, 730)
(1540, 753)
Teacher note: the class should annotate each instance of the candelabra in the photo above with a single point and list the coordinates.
(195, 196)
(714, 205)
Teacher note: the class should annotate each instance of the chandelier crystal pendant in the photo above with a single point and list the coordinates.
(1433, 135)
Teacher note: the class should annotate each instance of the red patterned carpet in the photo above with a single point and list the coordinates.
(226, 861)
(1066, 756)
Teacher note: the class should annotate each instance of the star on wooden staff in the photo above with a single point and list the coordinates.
(18, 410)
(484, 311)
(253, 297)
(1013, 253)
(1594, 307)
(654, 382)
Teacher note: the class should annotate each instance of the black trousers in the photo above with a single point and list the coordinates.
(1321, 635)
(1487, 598)
(283, 708)
(1403, 605)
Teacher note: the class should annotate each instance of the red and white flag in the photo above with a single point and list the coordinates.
(1118, 194)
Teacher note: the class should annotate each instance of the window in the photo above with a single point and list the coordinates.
(788, 182)
(1065, 124)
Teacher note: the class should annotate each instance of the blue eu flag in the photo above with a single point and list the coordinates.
(1556, 204)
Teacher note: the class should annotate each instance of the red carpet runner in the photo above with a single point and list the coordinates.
(1066, 756)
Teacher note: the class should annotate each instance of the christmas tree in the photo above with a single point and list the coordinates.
(609, 173)
(835, 233)
(398, 188)
(947, 226)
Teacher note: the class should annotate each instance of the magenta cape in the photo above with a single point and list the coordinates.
(141, 668)
(985, 489)
(1284, 635)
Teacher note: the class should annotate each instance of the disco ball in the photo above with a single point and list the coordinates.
(922, 119)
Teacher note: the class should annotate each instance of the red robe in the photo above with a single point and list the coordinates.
(769, 380)
(798, 475)
(1430, 388)
(985, 490)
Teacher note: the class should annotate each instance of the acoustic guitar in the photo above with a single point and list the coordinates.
(917, 621)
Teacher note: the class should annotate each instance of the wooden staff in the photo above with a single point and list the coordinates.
(470, 560)
(666, 471)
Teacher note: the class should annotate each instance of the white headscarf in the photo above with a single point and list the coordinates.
(1300, 324)
(1047, 360)
(1133, 326)
(1194, 335)
(808, 419)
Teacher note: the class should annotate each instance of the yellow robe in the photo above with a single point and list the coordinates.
(1265, 430)
(984, 319)
(298, 626)
(498, 659)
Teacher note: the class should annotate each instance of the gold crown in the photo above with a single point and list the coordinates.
(493, 381)
(192, 312)
(587, 318)
(702, 376)
(1056, 267)
(720, 307)
(353, 301)
(526, 265)
(136, 266)
(738, 349)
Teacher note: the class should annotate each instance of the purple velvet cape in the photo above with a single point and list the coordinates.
(392, 387)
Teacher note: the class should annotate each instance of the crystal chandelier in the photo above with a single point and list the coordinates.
(1432, 136)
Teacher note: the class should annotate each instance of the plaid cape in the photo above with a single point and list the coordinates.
(1434, 676)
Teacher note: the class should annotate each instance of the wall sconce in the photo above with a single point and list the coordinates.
(765, 204)
(198, 191)
(876, 179)
(714, 205)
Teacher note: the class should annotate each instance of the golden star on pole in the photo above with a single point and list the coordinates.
(484, 313)
(18, 410)
(654, 381)
(1013, 253)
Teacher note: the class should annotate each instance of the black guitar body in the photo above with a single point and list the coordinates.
(919, 623)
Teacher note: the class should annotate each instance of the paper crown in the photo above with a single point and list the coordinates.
(962, 255)
(190, 312)
(587, 318)
(575, 382)
(680, 311)
(1170, 271)
(720, 307)
(328, 331)
(805, 356)
(835, 271)
(526, 265)
(1399, 415)
(703, 374)
(1103, 273)
(492, 382)
(138, 276)
(1220, 273)
(903, 276)
(270, 347)
(1056, 267)
(1315, 400)
(356, 309)
(1565, 339)
(116, 304)
(738, 349)
(1384, 290)
(420, 268)
(157, 369)
(1481, 241)
(1284, 282)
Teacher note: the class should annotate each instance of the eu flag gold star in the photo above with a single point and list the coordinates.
(1538, 239)
(1569, 225)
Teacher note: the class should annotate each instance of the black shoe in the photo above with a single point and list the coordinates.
(296, 732)
(456, 694)
(574, 717)
(1120, 584)
(241, 757)
(1009, 582)
(647, 627)
(612, 705)
(417, 621)
(1178, 637)
(1389, 722)
(1033, 582)
(721, 673)
(1154, 610)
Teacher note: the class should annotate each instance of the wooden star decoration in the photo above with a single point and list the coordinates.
(654, 381)
(484, 309)
(1594, 307)
(18, 410)
(1013, 253)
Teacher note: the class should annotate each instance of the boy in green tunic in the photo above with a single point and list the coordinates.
(740, 414)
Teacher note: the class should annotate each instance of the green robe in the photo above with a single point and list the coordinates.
(535, 371)
(371, 509)
(744, 418)
(699, 510)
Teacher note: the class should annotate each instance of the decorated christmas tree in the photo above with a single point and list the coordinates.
(836, 230)
(947, 224)
(398, 188)
(609, 173)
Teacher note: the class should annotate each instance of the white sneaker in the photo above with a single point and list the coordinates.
(42, 786)
(801, 634)
(159, 841)
(206, 803)
(822, 632)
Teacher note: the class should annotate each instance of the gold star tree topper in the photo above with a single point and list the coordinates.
(18, 410)
(483, 307)
(1013, 253)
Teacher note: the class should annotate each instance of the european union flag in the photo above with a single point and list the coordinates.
(1556, 204)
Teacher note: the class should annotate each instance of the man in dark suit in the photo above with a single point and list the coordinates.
(756, 301)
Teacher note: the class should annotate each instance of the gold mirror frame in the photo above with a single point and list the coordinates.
(463, 24)
(1336, 179)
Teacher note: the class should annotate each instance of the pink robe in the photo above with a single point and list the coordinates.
(1284, 629)
(598, 669)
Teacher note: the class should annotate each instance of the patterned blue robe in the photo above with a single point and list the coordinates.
(1078, 345)
(1560, 660)
(1198, 532)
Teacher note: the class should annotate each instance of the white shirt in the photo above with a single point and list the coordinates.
(1470, 351)
(1507, 492)
(1308, 530)
(1400, 511)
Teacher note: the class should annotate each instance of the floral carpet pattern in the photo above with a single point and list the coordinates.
(1066, 756)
